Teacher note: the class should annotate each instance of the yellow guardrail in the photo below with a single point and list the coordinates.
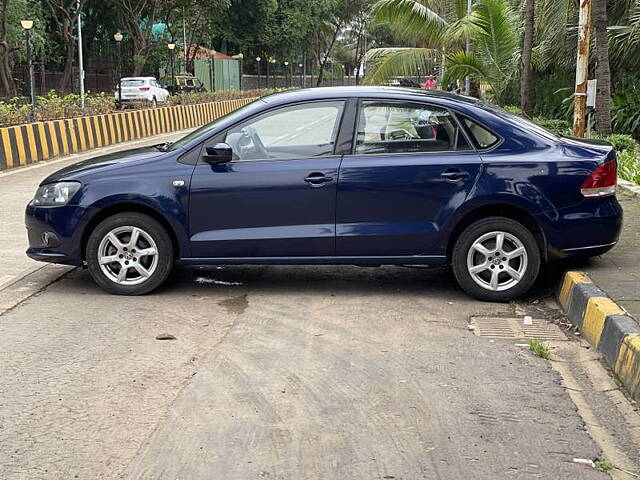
(35, 142)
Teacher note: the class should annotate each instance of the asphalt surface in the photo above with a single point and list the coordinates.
(275, 373)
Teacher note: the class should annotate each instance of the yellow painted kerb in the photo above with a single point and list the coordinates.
(571, 279)
(628, 362)
(594, 316)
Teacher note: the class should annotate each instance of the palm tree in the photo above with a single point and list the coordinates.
(494, 58)
(603, 72)
(492, 27)
(421, 23)
(527, 50)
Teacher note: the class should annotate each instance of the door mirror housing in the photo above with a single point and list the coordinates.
(219, 153)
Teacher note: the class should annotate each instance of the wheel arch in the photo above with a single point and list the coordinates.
(506, 210)
(122, 207)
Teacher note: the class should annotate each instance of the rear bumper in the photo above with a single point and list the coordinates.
(585, 230)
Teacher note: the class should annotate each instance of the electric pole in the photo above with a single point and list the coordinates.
(582, 68)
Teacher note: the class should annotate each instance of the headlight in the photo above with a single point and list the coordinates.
(55, 194)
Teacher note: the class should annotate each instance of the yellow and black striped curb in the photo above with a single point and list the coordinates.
(605, 325)
(35, 142)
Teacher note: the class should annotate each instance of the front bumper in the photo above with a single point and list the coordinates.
(55, 233)
(588, 229)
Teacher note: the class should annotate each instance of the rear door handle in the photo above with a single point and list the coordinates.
(454, 174)
(318, 178)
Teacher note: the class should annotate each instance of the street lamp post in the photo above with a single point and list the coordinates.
(172, 47)
(301, 79)
(118, 38)
(258, 62)
(28, 25)
(286, 73)
(272, 61)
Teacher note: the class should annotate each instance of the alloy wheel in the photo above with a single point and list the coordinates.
(497, 261)
(128, 255)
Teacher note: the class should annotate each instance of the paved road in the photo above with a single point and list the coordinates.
(279, 373)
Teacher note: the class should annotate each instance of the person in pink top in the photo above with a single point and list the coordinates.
(430, 83)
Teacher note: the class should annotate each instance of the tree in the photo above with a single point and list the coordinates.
(139, 16)
(527, 50)
(492, 26)
(603, 72)
(65, 15)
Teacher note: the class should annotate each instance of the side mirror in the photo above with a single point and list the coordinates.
(219, 153)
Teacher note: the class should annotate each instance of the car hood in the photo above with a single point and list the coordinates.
(103, 162)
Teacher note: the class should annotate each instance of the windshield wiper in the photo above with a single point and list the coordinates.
(163, 147)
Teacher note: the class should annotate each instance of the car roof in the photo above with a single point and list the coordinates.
(138, 78)
(322, 93)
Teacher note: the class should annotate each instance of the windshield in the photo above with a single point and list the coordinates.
(133, 83)
(528, 124)
(203, 130)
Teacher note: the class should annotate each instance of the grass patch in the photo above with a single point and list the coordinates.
(539, 348)
(603, 465)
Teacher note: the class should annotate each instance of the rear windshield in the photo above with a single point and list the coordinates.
(133, 83)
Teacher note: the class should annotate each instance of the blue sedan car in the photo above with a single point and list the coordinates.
(363, 176)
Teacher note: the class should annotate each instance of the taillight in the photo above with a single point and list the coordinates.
(144, 89)
(602, 181)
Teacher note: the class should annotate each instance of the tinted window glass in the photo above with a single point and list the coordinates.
(206, 129)
(402, 128)
(133, 83)
(300, 131)
(482, 137)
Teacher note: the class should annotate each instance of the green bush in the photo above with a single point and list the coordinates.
(553, 124)
(625, 107)
(622, 143)
(629, 166)
(54, 107)
(205, 97)
(516, 110)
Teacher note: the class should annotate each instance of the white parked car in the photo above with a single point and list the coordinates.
(142, 89)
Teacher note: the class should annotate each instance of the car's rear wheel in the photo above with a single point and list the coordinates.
(129, 254)
(496, 259)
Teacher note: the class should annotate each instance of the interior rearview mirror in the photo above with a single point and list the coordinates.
(219, 153)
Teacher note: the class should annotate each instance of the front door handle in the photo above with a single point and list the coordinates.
(318, 178)
(454, 174)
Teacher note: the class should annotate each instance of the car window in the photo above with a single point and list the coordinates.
(133, 83)
(298, 131)
(482, 137)
(190, 82)
(391, 127)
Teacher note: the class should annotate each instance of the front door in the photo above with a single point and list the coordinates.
(412, 167)
(277, 197)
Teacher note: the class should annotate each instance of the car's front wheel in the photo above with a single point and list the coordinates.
(496, 259)
(129, 254)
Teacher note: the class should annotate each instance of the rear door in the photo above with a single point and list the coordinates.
(411, 167)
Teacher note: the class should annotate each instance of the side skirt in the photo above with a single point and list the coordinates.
(326, 260)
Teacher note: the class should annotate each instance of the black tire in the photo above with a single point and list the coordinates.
(150, 228)
(495, 263)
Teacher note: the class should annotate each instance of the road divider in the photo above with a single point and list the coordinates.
(34, 142)
(605, 325)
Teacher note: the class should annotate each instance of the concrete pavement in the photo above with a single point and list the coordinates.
(618, 271)
(286, 373)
